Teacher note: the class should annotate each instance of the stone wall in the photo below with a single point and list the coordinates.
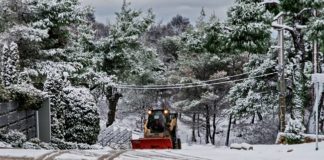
(12, 118)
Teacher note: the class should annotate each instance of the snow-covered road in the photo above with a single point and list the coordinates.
(194, 152)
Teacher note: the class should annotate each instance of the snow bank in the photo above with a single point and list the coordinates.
(243, 146)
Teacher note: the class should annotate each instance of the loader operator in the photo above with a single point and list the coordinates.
(157, 123)
(157, 126)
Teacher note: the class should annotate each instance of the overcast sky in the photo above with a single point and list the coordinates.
(163, 9)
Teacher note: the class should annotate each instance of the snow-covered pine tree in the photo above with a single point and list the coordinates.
(10, 64)
(249, 25)
(255, 95)
(124, 54)
(46, 42)
(298, 20)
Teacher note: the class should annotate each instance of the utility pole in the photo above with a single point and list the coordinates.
(282, 83)
(318, 90)
(315, 49)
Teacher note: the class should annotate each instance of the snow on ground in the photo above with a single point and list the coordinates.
(208, 152)
(184, 132)
(74, 157)
(5, 145)
(192, 152)
(23, 153)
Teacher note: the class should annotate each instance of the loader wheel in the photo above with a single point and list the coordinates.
(178, 143)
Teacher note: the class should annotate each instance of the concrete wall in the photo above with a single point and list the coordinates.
(12, 118)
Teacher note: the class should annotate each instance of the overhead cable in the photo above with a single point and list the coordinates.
(151, 87)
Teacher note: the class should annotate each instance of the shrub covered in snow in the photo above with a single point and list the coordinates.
(4, 94)
(17, 139)
(54, 85)
(294, 130)
(61, 144)
(58, 143)
(13, 137)
(30, 145)
(82, 118)
(27, 96)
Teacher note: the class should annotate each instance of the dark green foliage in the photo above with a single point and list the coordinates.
(5, 95)
(54, 86)
(27, 101)
(293, 6)
(81, 116)
(294, 139)
(250, 25)
(214, 38)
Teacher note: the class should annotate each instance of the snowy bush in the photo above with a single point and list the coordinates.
(63, 145)
(60, 144)
(30, 145)
(27, 96)
(295, 126)
(13, 137)
(82, 118)
(5, 145)
(294, 130)
(4, 94)
(54, 85)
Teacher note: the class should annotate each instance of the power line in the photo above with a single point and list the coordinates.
(189, 86)
(183, 84)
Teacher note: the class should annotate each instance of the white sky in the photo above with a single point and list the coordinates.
(163, 9)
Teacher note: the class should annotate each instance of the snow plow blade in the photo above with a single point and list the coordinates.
(152, 143)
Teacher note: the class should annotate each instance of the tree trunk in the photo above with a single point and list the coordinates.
(113, 100)
(228, 130)
(214, 128)
(198, 125)
(193, 138)
(259, 116)
(207, 124)
(299, 44)
(320, 107)
(252, 121)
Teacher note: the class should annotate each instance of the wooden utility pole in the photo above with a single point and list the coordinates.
(282, 83)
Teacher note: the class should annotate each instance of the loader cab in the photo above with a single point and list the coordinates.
(157, 120)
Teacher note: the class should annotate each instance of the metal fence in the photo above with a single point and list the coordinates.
(117, 139)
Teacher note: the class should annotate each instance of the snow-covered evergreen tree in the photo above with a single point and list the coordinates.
(54, 38)
(249, 27)
(256, 95)
(124, 54)
(10, 64)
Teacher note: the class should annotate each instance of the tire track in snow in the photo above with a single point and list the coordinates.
(54, 155)
(46, 155)
(185, 155)
(112, 155)
(157, 155)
